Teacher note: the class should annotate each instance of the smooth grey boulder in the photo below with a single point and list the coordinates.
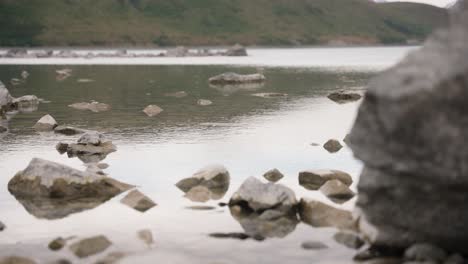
(343, 97)
(138, 201)
(314, 179)
(332, 146)
(236, 50)
(209, 183)
(409, 133)
(234, 78)
(273, 175)
(337, 191)
(318, 214)
(90, 246)
(46, 123)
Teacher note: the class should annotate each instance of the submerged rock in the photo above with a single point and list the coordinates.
(69, 131)
(2, 226)
(313, 245)
(228, 89)
(46, 123)
(236, 50)
(273, 175)
(209, 183)
(90, 246)
(337, 191)
(111, 258)
(343, 97)
(314, 179)
(318, 214)
(269, 95)
(234, 78)
(16, 260)
(204, 102)
(138, 201)
(24, 74)
(95, 107)
(409, 133)
(6, 99)
(332, 146)
(152, 110)
(349, 239)
(57, 244)
(92, 138)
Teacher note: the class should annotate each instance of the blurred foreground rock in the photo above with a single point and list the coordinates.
(410, 132)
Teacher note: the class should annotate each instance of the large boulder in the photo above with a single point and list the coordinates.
(234, 78)
(409, 133)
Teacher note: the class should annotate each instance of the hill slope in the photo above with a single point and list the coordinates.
(212, 22)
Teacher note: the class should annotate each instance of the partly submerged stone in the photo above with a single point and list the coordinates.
(204, 102)
(343, 97)
(333, 146)
(314, 179)
(93, 106)
(90, 246)
(152, 110)
(209, 183)
(228, 89)
(410, 134)
(46, 123)
(57, 244)
(138, 201)
(337, 191)
(179, 51)
(318, 214)
(16, 260)
(146, 236)
(236, 50)
(111, 258)
(273, 175)
(68, 130)
(234, 78)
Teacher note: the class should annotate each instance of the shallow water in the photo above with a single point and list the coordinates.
(249, 135)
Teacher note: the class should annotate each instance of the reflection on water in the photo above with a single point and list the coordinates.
(247, 134)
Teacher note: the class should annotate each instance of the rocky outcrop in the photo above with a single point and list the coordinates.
(90, 246)
(409, 133)
(93, 106)
(138, 201)
(234, 78)
(6, 99)
(46, 123)
(209, 183)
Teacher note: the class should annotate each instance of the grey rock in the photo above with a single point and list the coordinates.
(57, 244)
(152, 110)
(204, 102)
(93, 106)
(16, 260)
(81, 149)
(333, 146)
(201, 207)
(229, 89)
(240, 236)
(5, 98)
(138, 201)
(425, 252)
(409, 133)
(90, 246)
(313, 245)
(314, 179)
(46, 123)
(234, 78)
(337, 191)
(3, 129)
(69, 131)
(92, 138)
(343, 97)
(2, 226)
(209, 183)
(236, 50)
(26, 100)
(146, 236)
(349, 239)
(61, 147)
(273, 175)
(318, 214)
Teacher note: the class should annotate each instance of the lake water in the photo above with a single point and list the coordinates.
(248, 135)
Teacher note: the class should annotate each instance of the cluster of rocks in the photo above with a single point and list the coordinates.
(91, 146)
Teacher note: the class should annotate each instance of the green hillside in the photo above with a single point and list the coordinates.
(212, 22)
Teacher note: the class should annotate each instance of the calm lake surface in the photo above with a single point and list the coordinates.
(248, 135)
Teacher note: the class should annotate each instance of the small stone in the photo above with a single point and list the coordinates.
(343, 97)
(16, 260)
(332, 146)
(138, 201)
(61, 147)
(313, 245)
(201, 207)
(315, 144)
(57, 244)
(425, 252)
(204, 102)
(152, 110)
(102, 166)
(337, 191)
(24, 74)
(179, 94)
(234, 78)
(273, 175)
(46, 123)
(241, 236)
(146, 236)
(90, 246)
(348, 239)
(236, 50)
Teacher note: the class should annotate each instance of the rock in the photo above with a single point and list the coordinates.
(95, 107)
(318, 214)
(63, 74)
(103, 166)
(90, 246)
(234, 78)
(2, 226)
(343, 97)
(313, 245)
(26, 100)
(111, 258)
(152, 110)
(146, 236)
(240, 236)
(3, 129)
(204, 102)
(24, 74)
(348, 239)
(409, 133)
(5, 98)
(236, 50)
(269, 95)
(337, 191)
(46, 123)
(179, 94)
(332, 146)
(16, 260)
(455, 259)
(425, 252)
(201, 207)
(92, 138)
(314, 179)
(57, 244)
(46, 179)
(138, 201)
(179, 51)
(209, 183)
(16, 53)
(61, 147)
(260, 196)
(69, 131)
(273, 175)
(16, 81)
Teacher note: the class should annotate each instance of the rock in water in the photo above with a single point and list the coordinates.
(209, 183)
(425, 252)
(313, 245)
(332, 146)
(57, 244)
(69, 131)
(146, 236)
(90, 246)
(138, 201)
(5, 98)
(16, 260)
(95, 107)
(349, 239)
(204, 102)
(409, 133)
(343, 97)
(318, 214)
(273, 175)
(314, 179)
(234, 78)
(93, 138)
(46, 123)
(2, 226)
(236, 50)
(152, 110)
(337, 191)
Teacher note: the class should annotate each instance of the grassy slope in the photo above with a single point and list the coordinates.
(212, 22)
